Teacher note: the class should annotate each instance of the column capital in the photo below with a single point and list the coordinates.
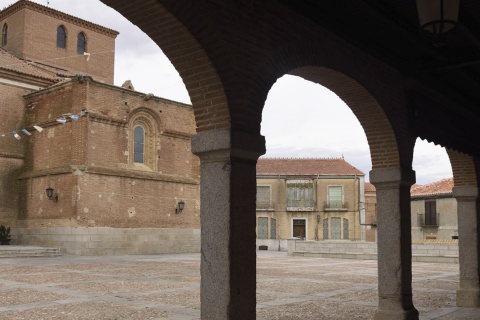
(465, 193)
(225, 143)
(386, 178)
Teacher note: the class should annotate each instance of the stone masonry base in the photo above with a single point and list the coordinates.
(446, 252)
(111, 241)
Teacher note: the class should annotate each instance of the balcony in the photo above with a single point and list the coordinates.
(428, 220)
(264, 206)
(300, 205)
(335, 206)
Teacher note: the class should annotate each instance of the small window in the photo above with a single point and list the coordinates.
(61, 37)
(4, 34)
(138, 144)
(263, 197)
(81, 43)
(325, 229)
(262, 228)
(345, 229)
(273, 228)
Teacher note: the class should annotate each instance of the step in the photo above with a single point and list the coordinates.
(15, 251)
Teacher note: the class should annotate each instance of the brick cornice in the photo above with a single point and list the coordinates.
(123, 173)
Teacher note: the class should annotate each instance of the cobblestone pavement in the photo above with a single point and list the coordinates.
(167, 287)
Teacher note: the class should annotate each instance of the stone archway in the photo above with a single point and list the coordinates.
(465, 176)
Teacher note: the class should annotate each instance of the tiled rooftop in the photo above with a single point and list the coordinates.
(443, 186)
(369, 187)
(11, 63)
(306, 166)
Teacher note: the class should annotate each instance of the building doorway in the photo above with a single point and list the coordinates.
(299, 228)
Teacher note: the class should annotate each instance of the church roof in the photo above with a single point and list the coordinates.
(10, 62)
(306, 166)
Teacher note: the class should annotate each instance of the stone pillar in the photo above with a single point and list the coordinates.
(227, 217)
(468, 293)
(394, 243)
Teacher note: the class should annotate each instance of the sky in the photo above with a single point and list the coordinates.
(300, 118)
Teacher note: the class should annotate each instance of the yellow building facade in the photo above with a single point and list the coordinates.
(311, 199)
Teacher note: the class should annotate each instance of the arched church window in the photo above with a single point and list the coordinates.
(142, 141)
(138, 144)
(81, 43)
(61, 37)
(4, 34)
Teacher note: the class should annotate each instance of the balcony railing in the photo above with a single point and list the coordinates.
(300, 205)
(424, 220)
(335, 205)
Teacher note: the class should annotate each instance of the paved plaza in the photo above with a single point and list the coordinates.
(167, 287)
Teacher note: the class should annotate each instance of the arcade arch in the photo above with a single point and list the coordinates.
(228, 77)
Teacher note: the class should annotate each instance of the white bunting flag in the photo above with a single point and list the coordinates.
(62, 120)
(16, 135)
(39, 129)
(74, 117)
(26, 132)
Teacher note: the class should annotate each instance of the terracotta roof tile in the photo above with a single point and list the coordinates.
(443, 186)
(303, 166)
(10, 62)
(369, 187)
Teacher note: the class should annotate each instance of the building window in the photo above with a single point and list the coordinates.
(263, 197)
(262, 228)
(336, 231)
(4, 34)
(142, 141)
(335, 197)
(61, 37)
(81, 43)
(273, 228)
(325, 229)
(300, 195)
(431, 213)
(345, 229)
(138, 144)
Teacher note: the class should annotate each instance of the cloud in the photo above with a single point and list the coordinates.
(300, 118)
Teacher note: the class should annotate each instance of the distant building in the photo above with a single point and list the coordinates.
(370, 212)
(434, 211)
(313, 199)
(118, 160)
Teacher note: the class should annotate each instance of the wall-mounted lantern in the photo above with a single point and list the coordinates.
(50, 194)
(437, 18)
(180, 206)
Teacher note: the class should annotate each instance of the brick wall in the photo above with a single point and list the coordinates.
(88, 162)
(32, 34)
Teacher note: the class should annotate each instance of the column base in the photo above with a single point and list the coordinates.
(468, 298)
(411, 314)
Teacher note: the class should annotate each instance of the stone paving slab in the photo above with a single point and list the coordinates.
(168, 287)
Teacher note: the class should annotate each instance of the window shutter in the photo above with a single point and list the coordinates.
(263, 197)
(335, 196)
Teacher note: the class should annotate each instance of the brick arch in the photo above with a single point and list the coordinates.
(464, 168)
(380, 135)
(189, 58)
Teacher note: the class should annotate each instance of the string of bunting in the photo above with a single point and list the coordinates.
(64, 118)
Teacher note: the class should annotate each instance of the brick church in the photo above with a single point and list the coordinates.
(87, 166)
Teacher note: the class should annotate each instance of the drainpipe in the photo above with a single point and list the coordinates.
(316, 208)
(354, 209)
(278, 212)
